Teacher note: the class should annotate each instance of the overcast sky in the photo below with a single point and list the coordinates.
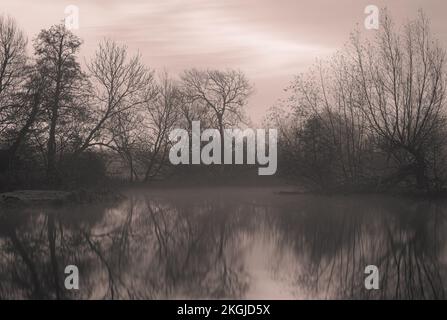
(270, 40)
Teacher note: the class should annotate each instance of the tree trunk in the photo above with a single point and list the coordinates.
(420, 173)
(51, 153)
(51, 232)
(131, 169)
(222, 142)
(51, 147)
(421, 178)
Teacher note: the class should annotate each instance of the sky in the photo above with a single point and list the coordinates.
(269, 40)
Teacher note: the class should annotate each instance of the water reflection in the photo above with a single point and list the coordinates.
(226, 244)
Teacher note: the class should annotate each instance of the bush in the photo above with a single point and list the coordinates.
(86, 169)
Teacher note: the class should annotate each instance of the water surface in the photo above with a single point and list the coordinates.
(226, 243)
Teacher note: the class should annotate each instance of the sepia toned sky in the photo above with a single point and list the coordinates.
(270, 40)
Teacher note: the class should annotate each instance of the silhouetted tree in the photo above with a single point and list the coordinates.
(401, 78)
(55, 50)
(223, 94)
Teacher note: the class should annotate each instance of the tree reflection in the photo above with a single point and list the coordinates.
(148, 248)
(335, 239)
(141, 249)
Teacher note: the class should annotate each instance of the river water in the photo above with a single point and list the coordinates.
(253, 243)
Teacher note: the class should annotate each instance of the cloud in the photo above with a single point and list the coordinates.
(270, 40)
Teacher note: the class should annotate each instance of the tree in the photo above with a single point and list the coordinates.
(160, 118)
(379, 104)
(55, 50)
(12, 61)
(125, 131)
(330, 131)
(29, 102)
(13, 71)
(122, 84)
(401, 79)
(123, 88)
(223, 93)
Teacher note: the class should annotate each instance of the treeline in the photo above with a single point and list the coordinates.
(63, 125)
(373, 117)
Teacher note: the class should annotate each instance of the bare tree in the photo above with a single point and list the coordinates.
(141, 136)
(326, 132)
(223, 93)
(125, 130)
(12, 70)
(29, 101)
(55, 50)
(401, 76)
(160, 117)
(18, 101)
(121, 84)
(12, 58)
(374, 114)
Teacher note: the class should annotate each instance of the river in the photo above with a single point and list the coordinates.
(238, 242)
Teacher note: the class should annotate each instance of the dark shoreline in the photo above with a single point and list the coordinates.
(59, 197)
(117, 192)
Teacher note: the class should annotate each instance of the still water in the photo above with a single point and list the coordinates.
(252, 243)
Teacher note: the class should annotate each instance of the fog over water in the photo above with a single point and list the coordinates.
(227, 243)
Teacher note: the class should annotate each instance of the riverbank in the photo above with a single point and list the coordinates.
(81, 196)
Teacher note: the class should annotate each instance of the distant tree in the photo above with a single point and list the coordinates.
(140, 136)
(125, 132)
(328, 124)
(223, 94)
(161, 117)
